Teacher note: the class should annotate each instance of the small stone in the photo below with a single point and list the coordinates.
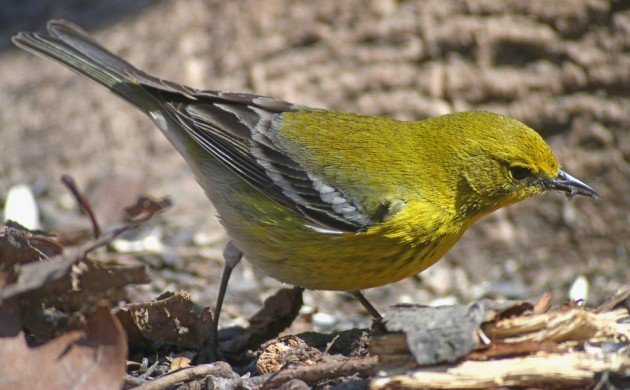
(444, 301)
(324, 320)
(579, 289)
(21, 207)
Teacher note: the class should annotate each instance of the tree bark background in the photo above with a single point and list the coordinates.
(563, 67)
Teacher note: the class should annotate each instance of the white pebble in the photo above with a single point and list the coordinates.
(579, 289)
(324, 320)
(445, 301)
(404, 299)
(153, 241)
(306, 310)
(21, 207)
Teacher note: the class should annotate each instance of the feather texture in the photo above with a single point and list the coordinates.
(231, 127)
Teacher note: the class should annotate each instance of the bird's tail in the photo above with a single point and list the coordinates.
(71, 46)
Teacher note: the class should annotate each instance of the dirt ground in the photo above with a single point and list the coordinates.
(562, 67)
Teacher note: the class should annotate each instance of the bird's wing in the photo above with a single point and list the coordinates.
(234, 128)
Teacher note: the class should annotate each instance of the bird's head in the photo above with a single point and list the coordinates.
(506, 161)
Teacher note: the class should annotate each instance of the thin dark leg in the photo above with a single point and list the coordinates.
(232, 256)
(368, 306)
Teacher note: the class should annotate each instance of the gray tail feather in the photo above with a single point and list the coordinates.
(71, 46)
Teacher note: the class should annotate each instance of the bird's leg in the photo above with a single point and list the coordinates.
(231, 256)
(367, 305)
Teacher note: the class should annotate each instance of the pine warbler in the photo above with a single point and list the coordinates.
(322, 199)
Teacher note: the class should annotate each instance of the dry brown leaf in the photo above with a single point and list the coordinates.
(93, 359)
(18, 245)
(276, 354)
(277, 314)
(181, 360)
(171, 318)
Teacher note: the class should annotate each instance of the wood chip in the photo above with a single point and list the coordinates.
(571, 370)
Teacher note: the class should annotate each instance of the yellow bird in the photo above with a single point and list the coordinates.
(322, 199)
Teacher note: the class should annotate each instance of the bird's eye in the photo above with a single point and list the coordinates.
(519, 172)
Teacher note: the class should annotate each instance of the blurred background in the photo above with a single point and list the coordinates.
(562, 67)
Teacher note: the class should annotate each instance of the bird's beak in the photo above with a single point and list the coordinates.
(570, 185)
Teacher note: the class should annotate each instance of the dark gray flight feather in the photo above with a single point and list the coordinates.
(233, 128)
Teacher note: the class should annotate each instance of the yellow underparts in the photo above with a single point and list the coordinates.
(280, 243)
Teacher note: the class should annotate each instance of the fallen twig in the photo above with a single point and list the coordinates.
(363, 367)
(69, 182)
(217, 369)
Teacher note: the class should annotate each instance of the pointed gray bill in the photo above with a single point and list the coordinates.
(570, 185)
